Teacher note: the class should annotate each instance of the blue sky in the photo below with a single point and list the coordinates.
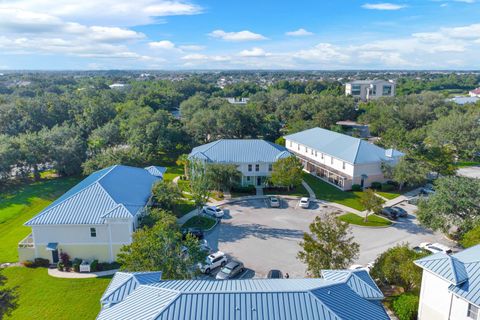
(247, 34)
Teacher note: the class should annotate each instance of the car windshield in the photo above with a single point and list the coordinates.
(274, 200)
(218, 210)
(226, 270)
(304, 200)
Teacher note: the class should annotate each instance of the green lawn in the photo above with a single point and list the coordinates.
(389, 195)
(45, 297)
(373, 220)
(201, 222)
(463, 164)
(182, 207)
(19, 205)
(325, 191)
(299, 191)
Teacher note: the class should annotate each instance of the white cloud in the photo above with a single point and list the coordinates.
(195, 56)
(322, 52)
(299, 33)
(383, 6)
(107, 12)
(164, 44)
(244, 35)
(192, 47)
(465, 1)
(254, 52)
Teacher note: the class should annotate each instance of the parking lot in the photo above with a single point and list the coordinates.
(265, 238)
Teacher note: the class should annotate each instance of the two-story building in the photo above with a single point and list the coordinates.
(450, 286)
(340, 159)
(370, 89)
(254, 158)
(95, 218)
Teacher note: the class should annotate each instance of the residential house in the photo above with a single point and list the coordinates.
(238, 101)
(370, 89)
(474, 93)
(254, 158)
(95, 218)
(465, 100)
(340, 159)
(450, 285)
(340, 294)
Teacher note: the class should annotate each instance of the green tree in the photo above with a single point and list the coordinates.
(199, 184)
(161, 248)
(222, 176)
(327, 246)
(395, 267)
(287, 172)
(112, 156)
(455, 205)
(409, 171)
(183, 161)
(165, 194)
(8, 297)
(471, 237)
(371, 202)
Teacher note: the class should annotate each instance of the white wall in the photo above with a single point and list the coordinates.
(263, 169)
(434, 297)
(365, 87)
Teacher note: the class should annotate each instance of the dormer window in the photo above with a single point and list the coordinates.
(93, 232)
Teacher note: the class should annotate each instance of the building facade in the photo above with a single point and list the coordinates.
(95, 218)
(450, 286)
(253, 158)
(474, 93)
(370, 89)
(340, 159)
(340, 294)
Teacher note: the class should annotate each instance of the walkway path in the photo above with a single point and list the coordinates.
(54, 272)
(311, 194)
(259, 191)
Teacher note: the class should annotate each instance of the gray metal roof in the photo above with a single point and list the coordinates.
(461, 269)
(240, 151)
(358, 280)
(288, 299)
(342, 146)
(114, 192)
(124, 283)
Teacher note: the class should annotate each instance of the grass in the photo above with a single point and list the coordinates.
(200, 222)
(463, 164)
(44, 297)
(325, 191)
(182, 207)
(22, 203)
(373, 220)
(299, 191)
(389, 195)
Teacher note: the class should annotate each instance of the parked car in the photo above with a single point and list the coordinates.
(231, 270)
(400, 211)
(213, 211)
(304, 202)
(435, 247)
(197, 233)
(275, 274)
(427, 190)
(205, 246)
(389, 213)
(214, 260)
(274, 202)
(356, 267)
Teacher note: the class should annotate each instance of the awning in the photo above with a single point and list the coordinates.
(52, 246)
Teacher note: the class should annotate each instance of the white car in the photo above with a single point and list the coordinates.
(213, 211)
(304, 202)
(274, 202)
(215, 260)
(435, 247)
(356, 267)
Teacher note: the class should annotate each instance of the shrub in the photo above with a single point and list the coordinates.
(387, 187)
(29, 264)
(376, 185)
(357, 187)
(405, 306)
(40, 262)
(246, 189)
(76, 264)
(104, 266)
(94, 265)
(471, 238)
(60, 266)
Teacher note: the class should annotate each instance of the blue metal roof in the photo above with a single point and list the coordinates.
(156, 171)
(114, 192)
(287, 299)
(461, 269)
(240, 151)
(358, 280)
(341, 146)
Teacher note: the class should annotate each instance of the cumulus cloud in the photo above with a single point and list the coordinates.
(383, 6)
(164, 44)
(244, 35)
(254, 52)
(192, 47)
(299, 33)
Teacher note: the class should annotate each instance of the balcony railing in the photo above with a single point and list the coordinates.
(27, 242)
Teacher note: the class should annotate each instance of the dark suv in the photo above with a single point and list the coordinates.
(389, 213)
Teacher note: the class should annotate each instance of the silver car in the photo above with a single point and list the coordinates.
(304, 203)
(274, 202)
(231, 270)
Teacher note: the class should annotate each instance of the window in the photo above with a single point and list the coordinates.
(312, 151)
(270, 167)
(331, 160)
(93, 232)
(387, 90)
(257, 167)
(356, 89)
(306, 149)
(248, 178)
(298, 147)
(343, 165)
(290, 144)
(322, 156)
(472, 312)
(316, 154)
(249, 167)
(374, 90)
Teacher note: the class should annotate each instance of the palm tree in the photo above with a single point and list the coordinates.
(183, 161)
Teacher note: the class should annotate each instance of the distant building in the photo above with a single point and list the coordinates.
(254, 158)
(340, 159)
(238, 100)
(370, 89)
(339, 294)
(450, 285)
(474, 93)
(465, 100)
(354, 129)
(118, 86)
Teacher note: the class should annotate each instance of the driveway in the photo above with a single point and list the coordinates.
(470, 172)
(265, 238)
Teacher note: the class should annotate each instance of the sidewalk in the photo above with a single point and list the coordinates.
(54, 272)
